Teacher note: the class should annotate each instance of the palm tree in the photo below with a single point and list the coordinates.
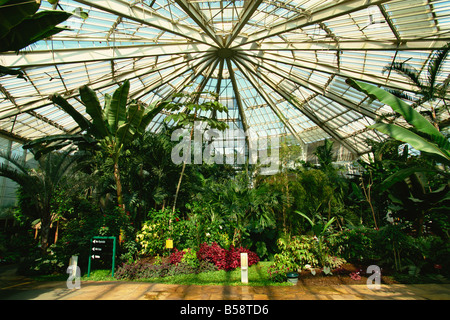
(150, 172)
(428, 90)
(187, 114)
(111, 130)
(54, 171)
(324, 153)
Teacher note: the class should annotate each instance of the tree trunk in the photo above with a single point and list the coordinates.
(181, 176)
(45, 233)
(118, 185)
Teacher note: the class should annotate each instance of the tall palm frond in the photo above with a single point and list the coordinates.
(408, 71)
(54, 170)
(435, 66)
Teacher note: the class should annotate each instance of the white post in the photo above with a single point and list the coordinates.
(74, 263)
(244, 267)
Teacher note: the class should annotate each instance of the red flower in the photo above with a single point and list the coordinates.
(438, 266)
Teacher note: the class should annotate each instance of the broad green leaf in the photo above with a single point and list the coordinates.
(39, 153)
(107, 105)
(41, 25)
(413, 139)
(410, 114)
(150, 113)
(52, 139)
(127, 131)
(117, 113)
(14, 12)
(400, 176)
(306, 217)
(327, 225)
(94, 109)
(67, 107)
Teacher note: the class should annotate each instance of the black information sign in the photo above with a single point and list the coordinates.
(103, 250)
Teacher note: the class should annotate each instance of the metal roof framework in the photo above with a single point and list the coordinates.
(279, 66)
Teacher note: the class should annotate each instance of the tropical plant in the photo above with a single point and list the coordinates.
(149, 172)
(54, 171)
(111, 130)
(296, 254)
(189, 120)
(324, 153)
(21, 25)
(312, 191)
(428, 90)
(319, 229)
(426, 137)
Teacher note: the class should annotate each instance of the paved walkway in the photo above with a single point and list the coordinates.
(13, 287)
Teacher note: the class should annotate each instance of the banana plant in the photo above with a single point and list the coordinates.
(319, 230)
(21, 24)
(413, 195)
(111, 129)
(426, 137)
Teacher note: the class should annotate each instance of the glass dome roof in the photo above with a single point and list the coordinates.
(279, 66)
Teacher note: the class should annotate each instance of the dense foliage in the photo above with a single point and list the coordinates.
(392, 212)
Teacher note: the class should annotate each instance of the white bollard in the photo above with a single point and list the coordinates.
(244, 267)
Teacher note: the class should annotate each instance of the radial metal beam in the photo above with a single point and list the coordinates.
(290, 76)
(193, 11)
(147, 17)
(347, 45)
(248, 73)
(241, 110)
(298, 62)
(332, 11)
(303, 109)
(237, 95)
(64, 56)
(248, 10)
(202, 65)
(191, 77)
(101, 83)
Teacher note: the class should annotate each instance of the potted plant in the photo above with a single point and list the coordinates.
(292, 277)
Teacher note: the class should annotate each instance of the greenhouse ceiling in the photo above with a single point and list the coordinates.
(279, 66)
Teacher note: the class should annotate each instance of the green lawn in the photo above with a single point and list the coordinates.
(257, 276)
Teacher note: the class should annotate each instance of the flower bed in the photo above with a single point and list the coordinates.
(208, 258)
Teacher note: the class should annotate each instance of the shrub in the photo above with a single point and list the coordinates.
(187, 256)
(356, 245)
(142, 269)
(225, 259)
(211, 253)
(300, 253)
(155, 231)
(176, 256)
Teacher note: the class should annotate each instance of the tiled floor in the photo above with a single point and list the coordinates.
(20, 288)
(91, 290)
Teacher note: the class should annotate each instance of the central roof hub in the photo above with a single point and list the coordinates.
(225, 53)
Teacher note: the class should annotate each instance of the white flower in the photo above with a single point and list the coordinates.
(307, 266)
(208, 235)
